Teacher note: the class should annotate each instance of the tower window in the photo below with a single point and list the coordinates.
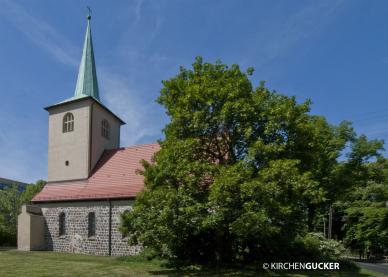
(67, 163)
(105, 129)
(91, 224)
(68, 123)
(62, 224)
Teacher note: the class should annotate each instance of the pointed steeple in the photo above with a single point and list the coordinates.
(87, 78)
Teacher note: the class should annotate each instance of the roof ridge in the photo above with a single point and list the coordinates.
(132, 146)
(139, 145)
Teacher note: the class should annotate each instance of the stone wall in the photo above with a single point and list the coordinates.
(76, 239)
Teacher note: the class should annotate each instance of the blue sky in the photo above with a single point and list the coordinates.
(333, 52)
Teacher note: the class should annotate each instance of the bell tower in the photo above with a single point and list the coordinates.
(81, 127)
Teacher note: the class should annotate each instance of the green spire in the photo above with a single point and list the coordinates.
(87, 77)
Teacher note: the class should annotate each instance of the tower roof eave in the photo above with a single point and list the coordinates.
(81, 98)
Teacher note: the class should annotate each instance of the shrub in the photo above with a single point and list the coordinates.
(316, 245)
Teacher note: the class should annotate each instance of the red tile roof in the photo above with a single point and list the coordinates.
(115, 176)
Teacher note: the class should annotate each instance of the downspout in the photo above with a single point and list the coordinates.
(110, 228)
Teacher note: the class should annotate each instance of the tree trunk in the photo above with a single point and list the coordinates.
(310, 217)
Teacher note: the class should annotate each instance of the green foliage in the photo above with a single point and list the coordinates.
(241, 171)
(322, 248)
(362, 195)
(11, 200)
(360, 168)
(260, 214)
(366, 217)
(31, 191)
(9, 210)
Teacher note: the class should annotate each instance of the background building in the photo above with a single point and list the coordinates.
(4, 183)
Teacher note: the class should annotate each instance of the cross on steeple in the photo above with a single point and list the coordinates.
(90, 13)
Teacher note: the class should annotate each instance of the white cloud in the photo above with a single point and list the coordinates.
(125, 102)
(286, 33)
(40, 33)
(138, 7)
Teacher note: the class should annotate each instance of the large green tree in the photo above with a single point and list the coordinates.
(356, 168)
(241, 171)
(366, 218)
(363, 202)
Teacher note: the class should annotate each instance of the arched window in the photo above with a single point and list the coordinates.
(105, 129)
(68, 123)
(91, 224)
(62, 224)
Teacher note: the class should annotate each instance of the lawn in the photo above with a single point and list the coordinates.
(31, 264)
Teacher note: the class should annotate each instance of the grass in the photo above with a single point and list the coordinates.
(31, 264)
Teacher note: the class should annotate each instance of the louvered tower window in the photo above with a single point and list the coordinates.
(105, 129)
(68, 123)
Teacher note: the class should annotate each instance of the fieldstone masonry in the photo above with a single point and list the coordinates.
(76, 239)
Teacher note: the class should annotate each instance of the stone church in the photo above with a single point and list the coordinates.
(91, 180)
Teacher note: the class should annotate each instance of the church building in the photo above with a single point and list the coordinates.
(91, 179)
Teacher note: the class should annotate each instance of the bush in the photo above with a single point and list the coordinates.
(316, 245)
(7, 237)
